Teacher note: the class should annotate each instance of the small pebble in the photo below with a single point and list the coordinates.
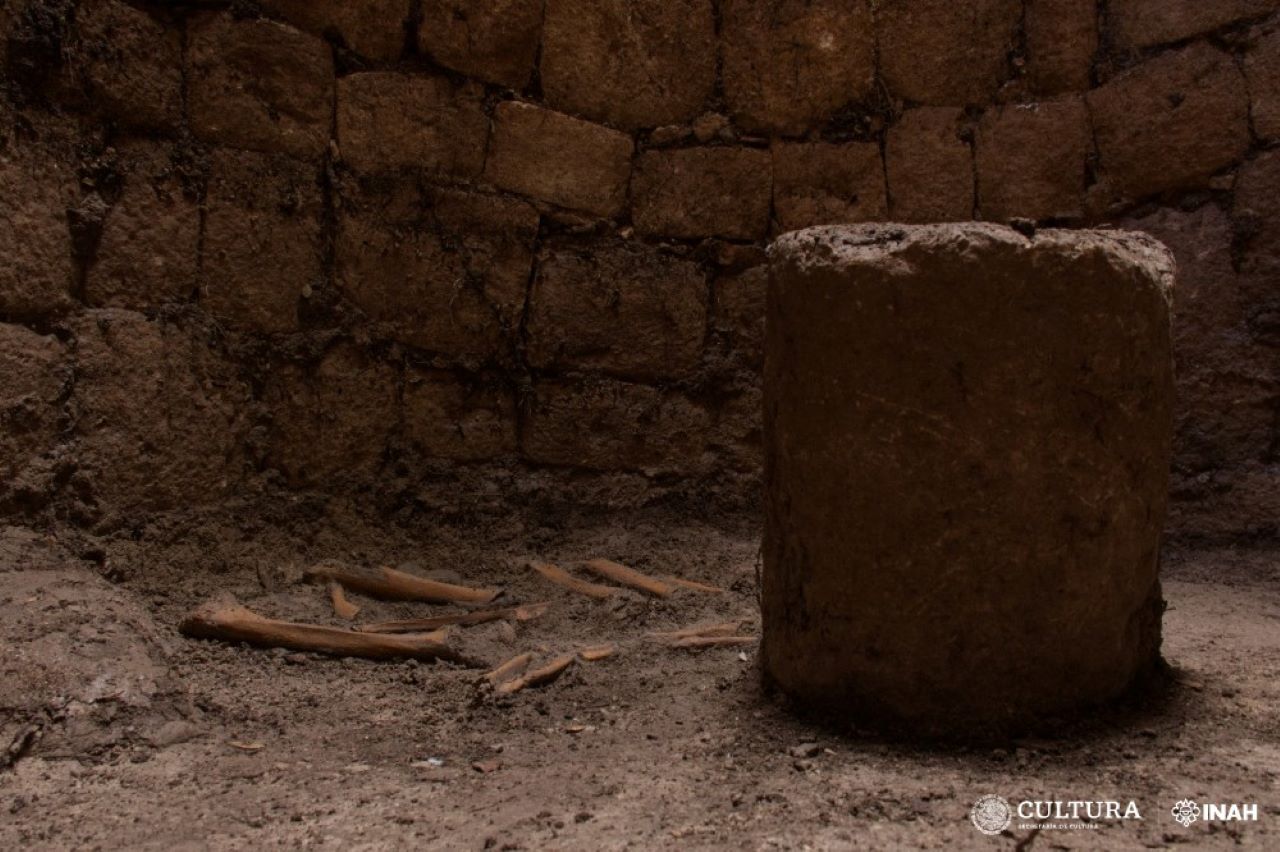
(806, 750)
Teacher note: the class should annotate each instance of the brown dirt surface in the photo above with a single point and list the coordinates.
(654, 747)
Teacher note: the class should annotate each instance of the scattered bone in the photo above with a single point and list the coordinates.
(342, 607)
(693, 584)
(440, 634)
(228, 620)
(727, 628)
(628, 577)
(561, 577)
(527, 612)
(254, 746)
(510, 669)
(598, 652)
(712, 641)
(390, 584)
(538, 677)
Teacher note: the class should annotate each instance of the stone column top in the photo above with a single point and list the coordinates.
(828, 248)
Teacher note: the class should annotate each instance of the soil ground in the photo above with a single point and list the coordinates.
(217, 746)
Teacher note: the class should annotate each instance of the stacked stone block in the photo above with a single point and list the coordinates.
(528, 234)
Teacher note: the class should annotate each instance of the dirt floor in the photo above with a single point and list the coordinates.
(126, 735)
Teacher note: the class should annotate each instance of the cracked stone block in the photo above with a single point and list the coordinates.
(559, 159)
(1227, 388)
(38, 185)
(629, 63)
(448, 417)
(930, 166)
(945, 53)
(605, 424)
(494, 40)
(702, 192)
(439, 269)
(1262, 70)
(1137, 24)
(389, 121)
(818, 183)
(130, 64)
(629, 310)
(372, 28)
(260, 85)
(792, 64)
(331, 421)
(1062, 40)
(161, 414)
(36, 376)
(147, 253)
(263, 246)
(739, 314)
(1171, 122)
(1032, 160)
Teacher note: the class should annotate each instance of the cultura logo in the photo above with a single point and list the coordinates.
(1186, 812)
(991, 814)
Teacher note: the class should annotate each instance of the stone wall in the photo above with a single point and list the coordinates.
(403, 241)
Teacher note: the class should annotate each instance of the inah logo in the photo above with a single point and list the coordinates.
(991, 814)
(1186, 812)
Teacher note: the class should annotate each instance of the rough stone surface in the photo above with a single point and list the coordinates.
(147, 252)
(1170, 122)
(372, 28)
(736, 432)
(554, 157)
(160, 417)
(389, 120)
(792, 64)
(1230, 506)
(739, 315)
(1257, 216)
(1032, 160)
(946, 53)
(930, 167)
(613, 425)
(1143, 23)
(629, 310)
(131, 64)
(1257, 210)
(817, 183)
(37, 273)
(262, 240)
(1062, 39)
(85, 664)
(441, 270)
(414, 203)
(450, 418)
(1262, 70)
(260, 85)
(1226, 395)
(998, 472)
(35, 378)
(331, 421)
(631, 63)
(702, 192)
(495, 40)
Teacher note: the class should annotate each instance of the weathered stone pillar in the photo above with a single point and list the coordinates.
(967, 439)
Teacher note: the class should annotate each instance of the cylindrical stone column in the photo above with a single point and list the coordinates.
(967, 438)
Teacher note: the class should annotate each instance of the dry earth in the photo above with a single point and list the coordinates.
(125, 734)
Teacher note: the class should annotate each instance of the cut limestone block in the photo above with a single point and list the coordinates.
(629, 63)
(967, 438)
